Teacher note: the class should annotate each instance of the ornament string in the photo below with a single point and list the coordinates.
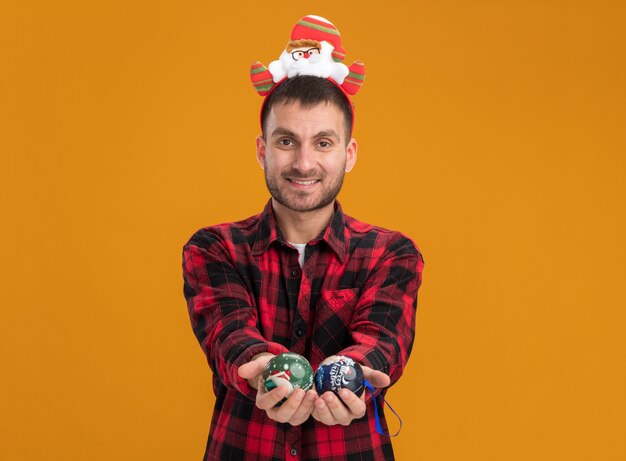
(379, 428)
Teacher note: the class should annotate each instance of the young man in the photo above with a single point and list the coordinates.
(302, 276)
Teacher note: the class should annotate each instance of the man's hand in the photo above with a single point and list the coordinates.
(253, 370)
(295, 410)
(330, 410)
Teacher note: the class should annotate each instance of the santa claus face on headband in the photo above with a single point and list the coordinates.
(308, 57)
(315, 49)
(303, 49)
(304, 53)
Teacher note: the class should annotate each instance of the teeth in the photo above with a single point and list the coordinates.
(304, 183)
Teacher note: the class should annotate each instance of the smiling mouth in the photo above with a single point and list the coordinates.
(308, 182)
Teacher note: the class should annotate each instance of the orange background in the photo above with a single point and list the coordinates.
(490, 132)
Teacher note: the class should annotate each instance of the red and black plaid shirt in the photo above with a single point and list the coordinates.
(356, 295)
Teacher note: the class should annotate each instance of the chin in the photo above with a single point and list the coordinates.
(302, 206)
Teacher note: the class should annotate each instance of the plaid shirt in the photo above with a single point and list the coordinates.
(356, 295)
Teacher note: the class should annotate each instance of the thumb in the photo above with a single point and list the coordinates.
(249, 370)
(376, 378)
(255, 366)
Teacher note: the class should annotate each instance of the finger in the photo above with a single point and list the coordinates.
(286, 410)
(253, 370)
(305, 408)
(290, 407)
(376, 378)
(268, 400)
(255, 366)
(250, 370)
(331, 359)
(340, 413)
(356, 405)
(322, 414)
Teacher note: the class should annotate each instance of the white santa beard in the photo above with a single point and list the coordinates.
(306, 67)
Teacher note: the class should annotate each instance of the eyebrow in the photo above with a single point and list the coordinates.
(327, 134)
(283, 132)
(322, 134)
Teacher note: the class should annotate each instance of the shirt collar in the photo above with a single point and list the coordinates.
(268, 232)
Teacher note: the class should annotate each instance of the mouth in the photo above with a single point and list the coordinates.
(303, 183)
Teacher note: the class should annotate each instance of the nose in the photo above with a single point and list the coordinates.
(304, 159)
(306, 55)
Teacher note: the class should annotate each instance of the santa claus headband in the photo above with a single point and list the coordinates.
(313, 49)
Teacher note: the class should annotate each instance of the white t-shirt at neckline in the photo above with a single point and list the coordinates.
(300, 247)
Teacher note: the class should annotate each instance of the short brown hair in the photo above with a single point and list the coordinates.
(308, 91)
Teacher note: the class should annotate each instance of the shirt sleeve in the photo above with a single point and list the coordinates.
(383, 324)
(222, 314)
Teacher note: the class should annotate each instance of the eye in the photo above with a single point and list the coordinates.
(297, 54)
(325, 144)
(285, 142)
(314, 51)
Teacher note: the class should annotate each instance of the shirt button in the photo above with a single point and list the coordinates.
(294, 273)
(294, 452)
(298, 332)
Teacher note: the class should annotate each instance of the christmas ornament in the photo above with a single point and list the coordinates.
(314, 49)
(289, 370)
(340, 372)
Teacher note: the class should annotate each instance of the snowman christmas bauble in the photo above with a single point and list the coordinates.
(339, 373)
(289, 370)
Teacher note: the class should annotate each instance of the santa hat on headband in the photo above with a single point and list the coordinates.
(317, 28)
(314, 49)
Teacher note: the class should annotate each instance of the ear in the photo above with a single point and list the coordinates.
(260, 150)
(351, 149)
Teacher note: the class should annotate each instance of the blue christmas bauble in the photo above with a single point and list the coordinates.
(339, 373)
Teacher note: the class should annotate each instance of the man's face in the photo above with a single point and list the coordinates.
(305, 155)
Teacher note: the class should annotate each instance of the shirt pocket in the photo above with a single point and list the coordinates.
(333, 314)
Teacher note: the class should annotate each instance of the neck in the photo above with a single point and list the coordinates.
(302, 226)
